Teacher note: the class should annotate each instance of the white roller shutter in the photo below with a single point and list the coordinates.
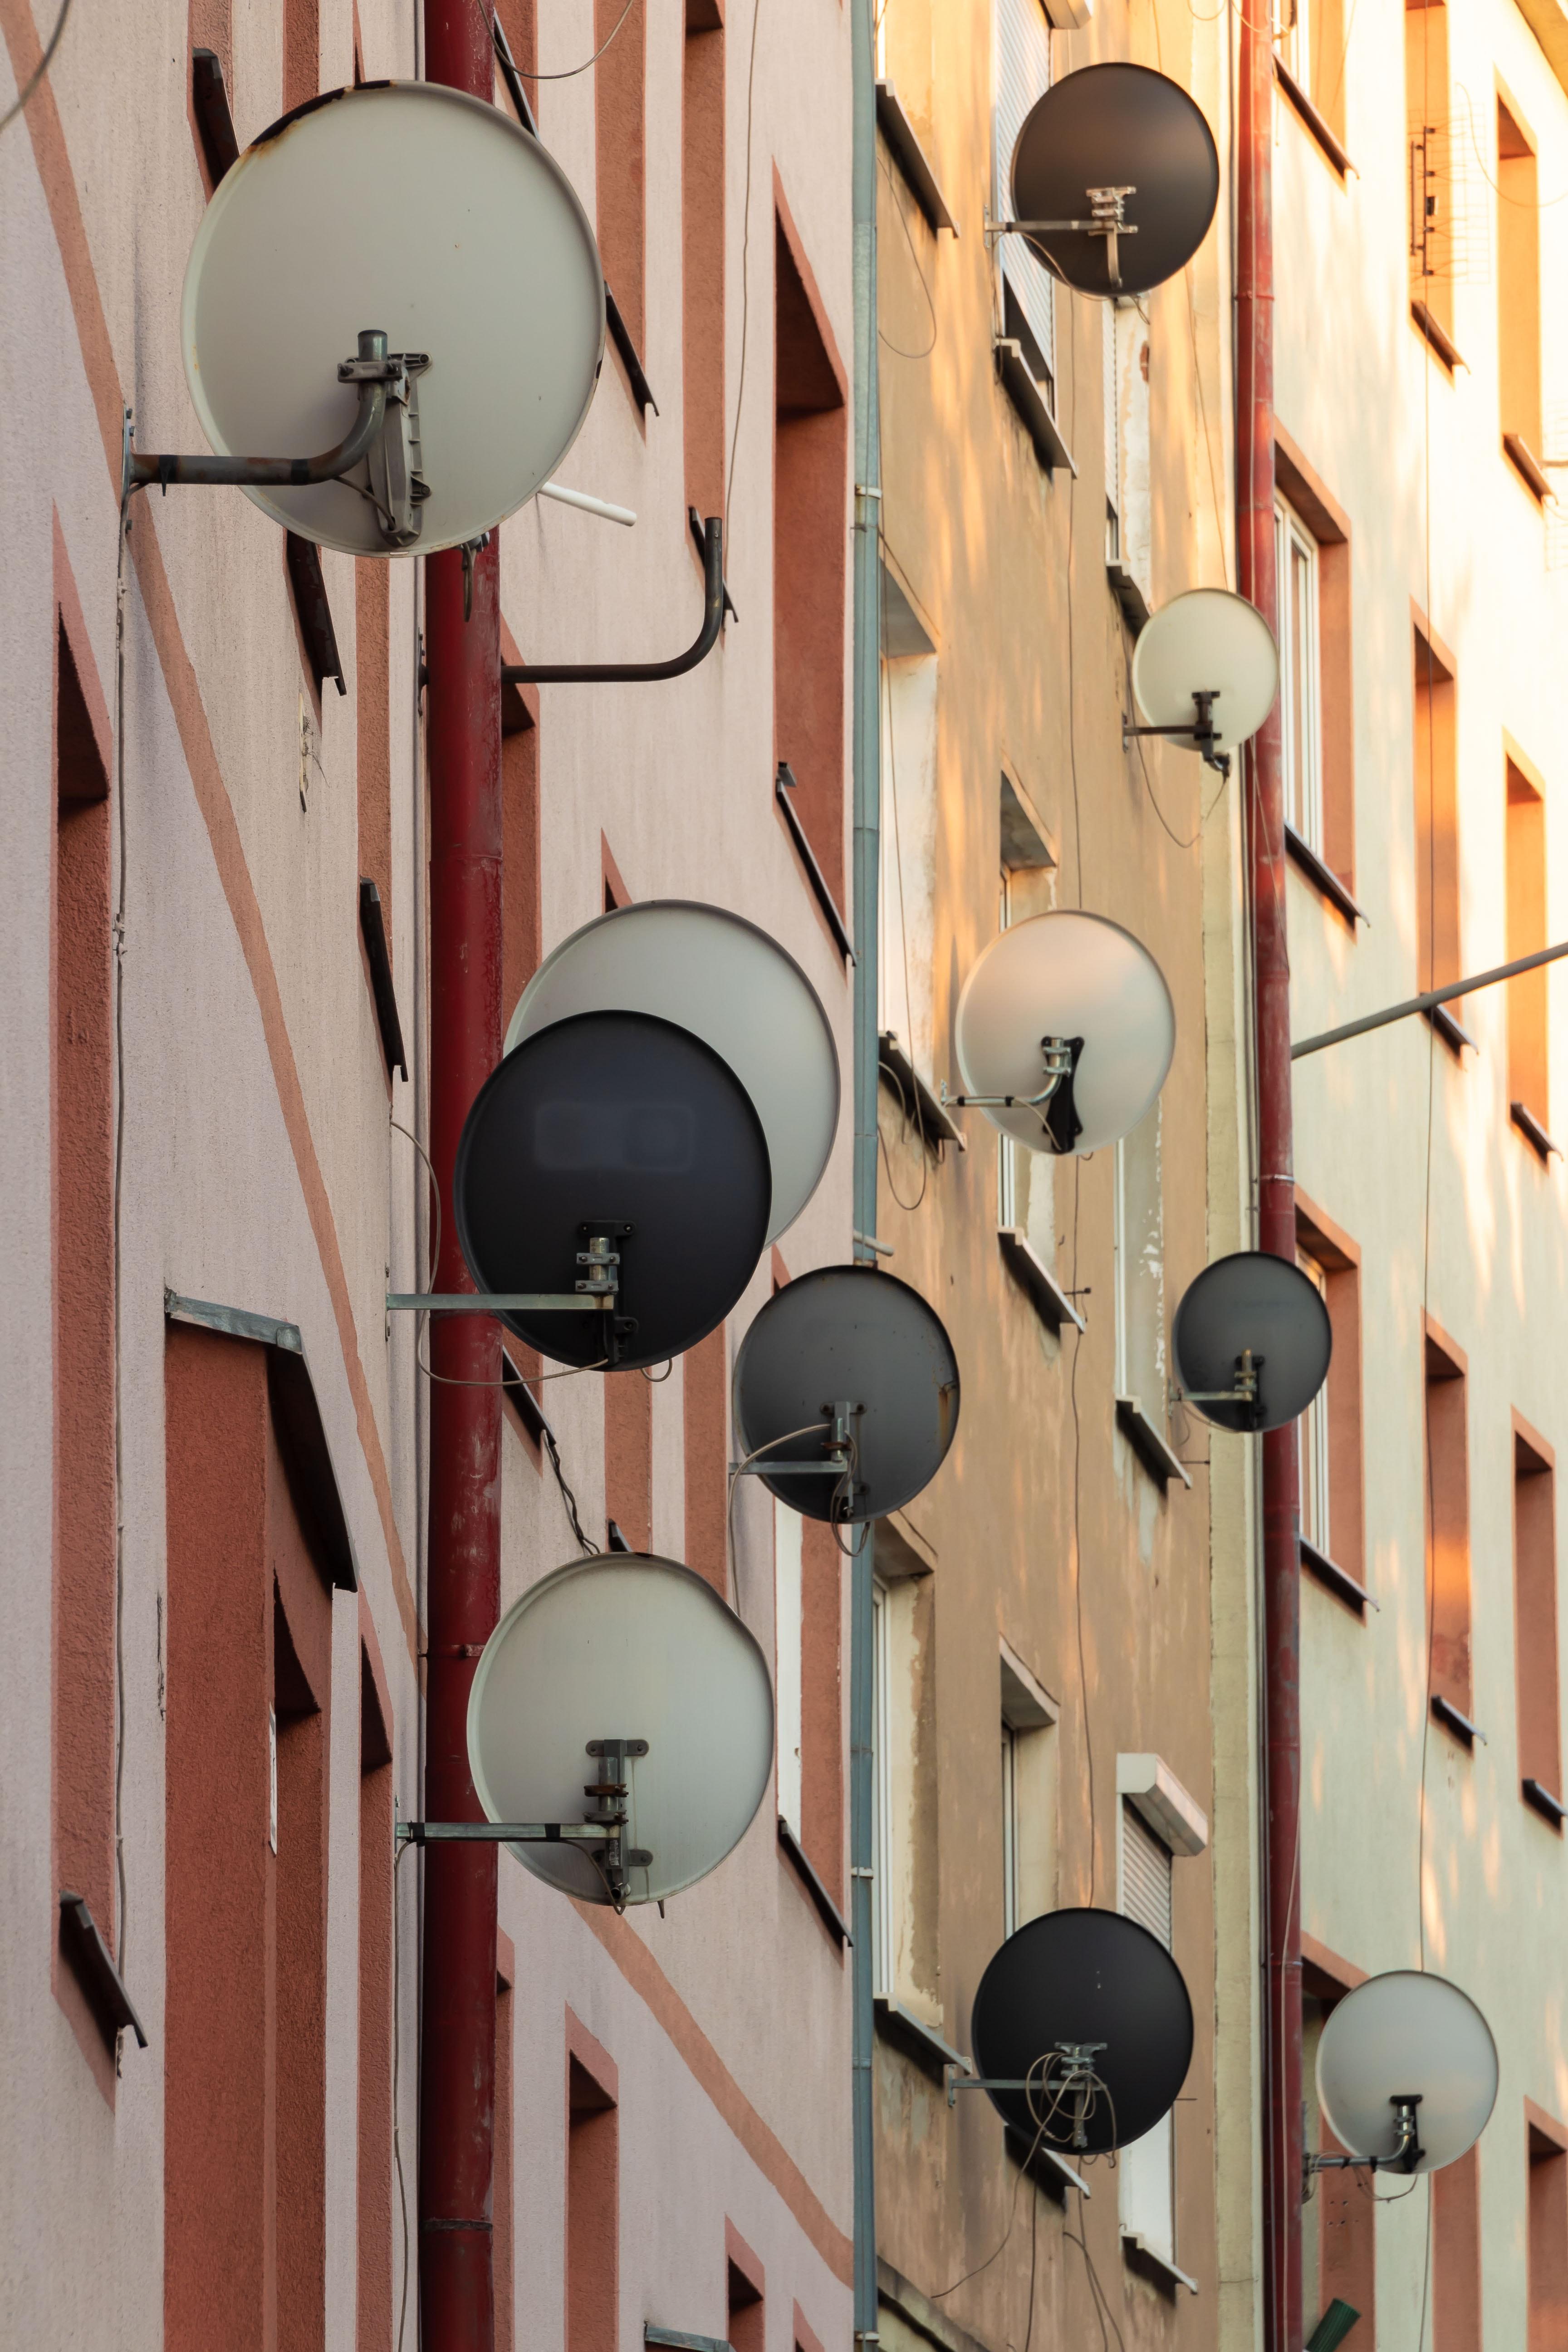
(1145, 1876)
(1021, 46)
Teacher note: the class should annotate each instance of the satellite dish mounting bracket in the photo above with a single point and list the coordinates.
(1074, 2078)
(1107, 219)
(1203, 734)
(1060, 1125)
(596, 1293)
(385, 431)
(643, 673)
(1244, 1392)
(1407, 2153)
(602, 1824)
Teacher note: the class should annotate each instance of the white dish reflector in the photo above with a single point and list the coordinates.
(1067, 975)
(626, 1647)
(1407, 2035)
(416, 209)
(1207, 642)
(715, 974)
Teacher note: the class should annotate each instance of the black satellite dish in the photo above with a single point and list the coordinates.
(854, 1335)
(1068, 1981)
(1259, 1306)
(617, 1124)
(1116, 148)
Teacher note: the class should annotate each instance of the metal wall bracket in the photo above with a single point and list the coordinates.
(643, 673)
(1202, 734)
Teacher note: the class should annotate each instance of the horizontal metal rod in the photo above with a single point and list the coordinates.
(601, 507)
(643, 673)
(142, 473)
(505, 1832)
(498, 1302)
(791, 1469)
(1428, 1003)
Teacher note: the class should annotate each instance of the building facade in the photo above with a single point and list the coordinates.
(214, 1623)
(1060, 1614)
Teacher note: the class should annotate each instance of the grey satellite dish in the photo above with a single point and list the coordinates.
(1251, 1317)
(1208, 648)
(621, 1686)
(1123, 165)
(415, 209)
(1407, 2071)
(714, 974)
(1089, 1982)
(1078, 988)
(853, 1335)
(619, 1125)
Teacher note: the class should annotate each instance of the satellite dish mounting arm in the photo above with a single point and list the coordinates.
(1201, 732)
(1243, 1393)
(388, 414)
(1107, 219)
(1060, 1125)
(643, 673)
(1408, 2148)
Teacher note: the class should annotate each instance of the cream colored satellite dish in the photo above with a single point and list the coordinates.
(621, 1686)
(422, 212)
(1065, 1031)
(715, 974)
(1206, 643)
(1407, 2071)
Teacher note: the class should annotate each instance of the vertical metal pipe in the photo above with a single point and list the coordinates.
(866, 867)
(1282, 2120)
(457, 2052)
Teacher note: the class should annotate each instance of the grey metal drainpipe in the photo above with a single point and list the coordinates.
(868, 774)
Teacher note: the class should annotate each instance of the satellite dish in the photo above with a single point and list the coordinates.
(1209, 643)
(621, 1124)
(624, 1649)
(415, 208)
(1075, 1979)
(1262, 1307)
(848, 1333)
(1126, 134)
(727, 981)
(1076, 978)
(1407, 2036)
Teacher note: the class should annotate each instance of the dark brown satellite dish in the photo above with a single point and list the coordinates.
(1123, 155)
(852, 1335)
(1252, 1341)
(621, 1125)
(1089, 1982)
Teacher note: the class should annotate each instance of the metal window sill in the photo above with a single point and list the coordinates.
(1444, 1712)
(1311, 120)
(620, 335)
(1144, 2256)
(1129, 596)
(1528, 466)
(1323, 880)
(1050, 1301)
(679, 2340)
(1149, 1444)
(1534, 1134)
(915, 2038)
(1540, 1800)
(1433, 332)
(92, 1965)
(1335, 1579)
(1059, 2173)
(1451, 1029)
(1018, 382)
(894, 1064)
(785, 783)
(832, 1917)
(910, 157)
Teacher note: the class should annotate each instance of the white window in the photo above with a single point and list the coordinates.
(787, 1528)
(1296, 571)
(907, 961)
(1028, 1754)
(1146, 2167)
(881, 1794)
(1021, 50)
(1140, 1266)
(1314, 1495)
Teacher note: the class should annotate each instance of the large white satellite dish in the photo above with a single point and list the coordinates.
(627, 1648)
(1069, 979)
(715, 974)
(1207, 643)
(1407, 2036)
(419, 211)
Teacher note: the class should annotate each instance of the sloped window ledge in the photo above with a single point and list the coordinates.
(1444, 1712)
(1431, 328)
(916, 2038)
(894, 1065)
(1149, 1443)
(1050, 1301)
(1128, 594)
(1019, 384)
(1334, 1579)
(1541, 1800)
(1142, 2256)
(1324, 878)
(1452, 1031)
(1311, 120)
(910, 157)
(1534, 1134)
(1528, 466)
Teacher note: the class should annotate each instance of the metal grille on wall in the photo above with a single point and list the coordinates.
(1145, 1876)
(1022, 51)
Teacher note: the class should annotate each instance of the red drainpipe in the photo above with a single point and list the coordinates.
(1282, 2119)
(457, 2040)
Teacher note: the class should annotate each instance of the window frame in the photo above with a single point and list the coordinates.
(1293, 539)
